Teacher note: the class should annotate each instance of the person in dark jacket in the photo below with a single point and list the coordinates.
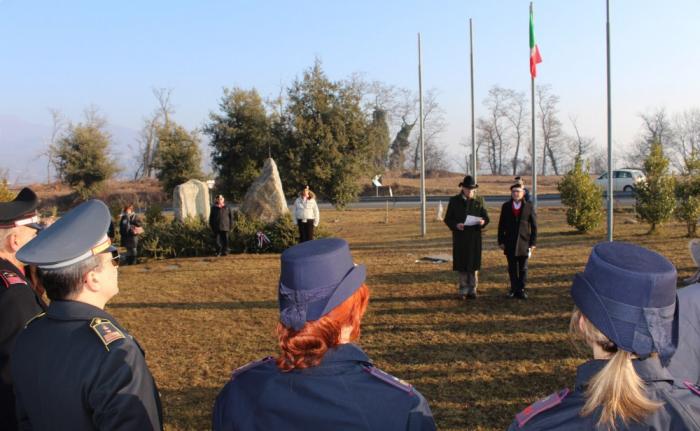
(466, 217)
(75, 367)
(321, 380)
(130, 227)
(19, 299)
(517, 237)
(221, 222)
(685, 363)
(627, 313)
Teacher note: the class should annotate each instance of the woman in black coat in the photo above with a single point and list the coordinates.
(466, 238)
(517, 237)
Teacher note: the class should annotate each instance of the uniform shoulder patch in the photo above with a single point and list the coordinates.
(9, 278)
(42, 314)
(539, 406)
(693, 388)
(106, 331)
(388, 378)
(250, 365)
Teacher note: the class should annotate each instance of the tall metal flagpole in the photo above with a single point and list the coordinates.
(610, 159)
(534, 147)
(471, 76)
(423, 228)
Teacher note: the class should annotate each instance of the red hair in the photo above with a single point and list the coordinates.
(306, 347)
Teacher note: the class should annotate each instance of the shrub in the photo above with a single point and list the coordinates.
(583, 198)
(655, 195)
(688, 195)
(6, 195)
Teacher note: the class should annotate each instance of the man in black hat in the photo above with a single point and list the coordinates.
(74, 367)
(466, 216)
(19, 302)
(517, 237)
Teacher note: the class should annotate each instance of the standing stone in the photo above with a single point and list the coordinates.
(265, 200)
(191, 199)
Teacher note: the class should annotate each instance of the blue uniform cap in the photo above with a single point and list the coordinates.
(21, 211)
(316, 277)
(81, 233)
(629, 294)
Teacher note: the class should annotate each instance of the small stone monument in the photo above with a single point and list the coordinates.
(191, 199)
(265, 200)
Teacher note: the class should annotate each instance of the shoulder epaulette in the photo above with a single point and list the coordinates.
(106, 330)
(693, 388)
(42, 314)
(539, 406)
(388, 378)
(250, 365)
(9, 278)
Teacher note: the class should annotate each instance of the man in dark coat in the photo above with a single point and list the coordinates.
(466, 217)
(517, 237)
(19, 301)
(221, 222)
(75, 367)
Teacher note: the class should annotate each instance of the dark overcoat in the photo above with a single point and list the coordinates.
(18, 304)
(679, 411)
(518, 234)
(466, 244)
(344, 392)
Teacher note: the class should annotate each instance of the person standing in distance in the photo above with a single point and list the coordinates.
(221, 222)
(466, 238)
(306, 214)
(130, 227)
(19, 300)
(74, 367)
(321, 380)
(517, 237)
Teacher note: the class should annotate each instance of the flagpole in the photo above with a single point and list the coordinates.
(534, 147)
(423, 229)
(471, 77)
(610, 160)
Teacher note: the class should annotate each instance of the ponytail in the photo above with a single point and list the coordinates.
(616, 389)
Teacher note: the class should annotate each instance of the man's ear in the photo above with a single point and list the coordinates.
(90, 281)
(13, 242)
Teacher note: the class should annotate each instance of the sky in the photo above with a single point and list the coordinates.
(71, 54)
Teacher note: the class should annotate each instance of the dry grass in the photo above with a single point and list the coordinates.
(477, 362)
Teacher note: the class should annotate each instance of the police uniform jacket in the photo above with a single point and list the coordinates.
(18, 304)
(518, 234)
(561, 411)
(344, 392)
(221, 218)
(76, 369)
(466, 244)
(685, 363)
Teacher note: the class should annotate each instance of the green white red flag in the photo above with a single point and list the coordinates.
(535, 56)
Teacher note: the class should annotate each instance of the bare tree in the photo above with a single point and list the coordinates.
(486, 137)
(58, 125)
(148, 137)
(579, 145)
(656, 126)
(433, 126)
(551, 127)
(515, 111)
(686, 126)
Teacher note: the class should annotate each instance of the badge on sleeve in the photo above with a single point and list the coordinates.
(249, 365)
(9, 278)
(106, 330)
(388, 378)
(539, 406)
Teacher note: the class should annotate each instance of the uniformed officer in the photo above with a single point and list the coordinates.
(19, 302)
(320, 380)
(685, 363)
(627, 313)
(74, 367)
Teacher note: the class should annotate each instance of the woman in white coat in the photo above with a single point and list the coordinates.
(306, 214)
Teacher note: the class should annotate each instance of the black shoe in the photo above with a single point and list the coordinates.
(521, 294)
(471, 295)
(511, 294)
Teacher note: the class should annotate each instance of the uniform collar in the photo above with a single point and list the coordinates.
(649, 370)
(74, 310)
(344, 353)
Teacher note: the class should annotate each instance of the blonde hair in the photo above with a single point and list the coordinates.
(617, 388)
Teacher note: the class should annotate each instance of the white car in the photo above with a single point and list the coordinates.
(624, 180)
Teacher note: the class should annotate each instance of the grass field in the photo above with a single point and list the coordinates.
(478, 362)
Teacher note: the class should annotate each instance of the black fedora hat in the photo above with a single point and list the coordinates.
(468, 182)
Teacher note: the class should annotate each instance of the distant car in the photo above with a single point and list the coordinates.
(624, 180)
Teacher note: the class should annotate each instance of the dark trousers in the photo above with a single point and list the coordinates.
(306, 230)
(517, 270)
(222, 242)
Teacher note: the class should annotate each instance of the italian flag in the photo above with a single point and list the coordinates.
(535, 56)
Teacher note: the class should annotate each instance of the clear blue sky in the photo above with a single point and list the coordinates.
(70, 54)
